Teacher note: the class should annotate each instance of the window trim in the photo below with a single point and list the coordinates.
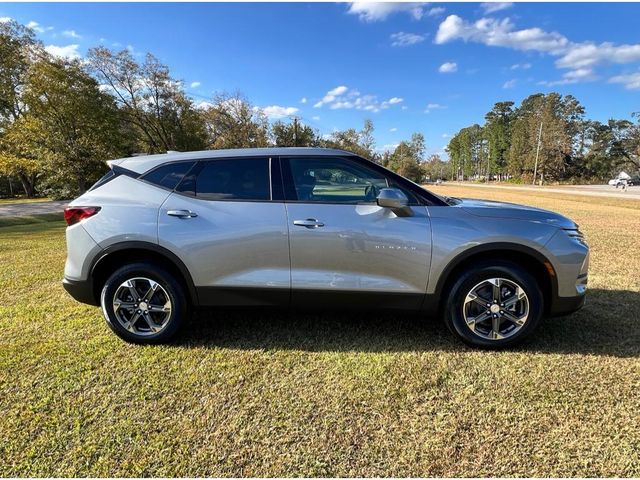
(115, 171)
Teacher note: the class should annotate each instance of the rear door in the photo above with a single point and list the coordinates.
(345, 249)
(228, 225)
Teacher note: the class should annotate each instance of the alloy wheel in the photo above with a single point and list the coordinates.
(496, 308)
(142, 306)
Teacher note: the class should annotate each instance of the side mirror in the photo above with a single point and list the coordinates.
(395, 200)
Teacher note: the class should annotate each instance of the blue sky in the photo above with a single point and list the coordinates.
(431, 68)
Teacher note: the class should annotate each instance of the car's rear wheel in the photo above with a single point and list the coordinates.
(494, 305)
(143, 303)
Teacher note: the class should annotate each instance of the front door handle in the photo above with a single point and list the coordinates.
(309, 223)
(182, 213)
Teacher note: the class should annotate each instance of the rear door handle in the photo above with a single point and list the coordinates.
(182, 213)
(309, 223)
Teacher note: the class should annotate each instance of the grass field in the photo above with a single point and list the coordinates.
(321, 395)
(10, 201)
(27, 219)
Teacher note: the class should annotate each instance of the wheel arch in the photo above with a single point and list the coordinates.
(530, 259)
(122, 253)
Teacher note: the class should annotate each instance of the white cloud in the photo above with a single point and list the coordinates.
(579, 74)
(510, 83)
(276, 111)
(394, 129)
(71, 34)
(303, 100)
(195, 84)
(36, 27)
(315, 117)
(448, 67)
(402, 39)
(70, 52)
(376, 11)
(492, 7)
(433, 106)
(572, 76)
(499, 33)
(331, 96)
(436, 11)
(589, 54)
(445, 135)
(344, 98)
(520, 66)
(630, 81)
(579, 58)
(404, 107)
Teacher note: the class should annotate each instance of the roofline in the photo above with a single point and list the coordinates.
(171, 156)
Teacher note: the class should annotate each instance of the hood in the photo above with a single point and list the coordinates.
(486, 208)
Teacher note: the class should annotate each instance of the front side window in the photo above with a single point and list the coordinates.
(234, 179)
(333, 180)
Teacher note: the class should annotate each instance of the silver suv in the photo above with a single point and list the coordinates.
(306, 227)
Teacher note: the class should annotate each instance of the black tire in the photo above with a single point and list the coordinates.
(475, 275)
(171, 289)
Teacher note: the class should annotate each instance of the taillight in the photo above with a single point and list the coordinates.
(75, 214)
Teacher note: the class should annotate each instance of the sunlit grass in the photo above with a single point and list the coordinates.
(276, 394)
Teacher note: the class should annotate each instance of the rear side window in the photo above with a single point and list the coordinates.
(234, 179)
(169, 175)
(104, 179)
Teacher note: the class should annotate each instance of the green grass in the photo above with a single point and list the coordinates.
(29, 219)
(269, 394)
(9, 201)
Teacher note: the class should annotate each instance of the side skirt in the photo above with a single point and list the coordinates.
(313, 299)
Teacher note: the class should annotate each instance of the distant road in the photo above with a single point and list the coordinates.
(632, 193)
(27, 209)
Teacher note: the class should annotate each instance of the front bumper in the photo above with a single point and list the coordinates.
(81, 290)
(566, 305)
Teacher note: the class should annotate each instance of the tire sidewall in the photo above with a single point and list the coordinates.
(453, 315)
(166, 280)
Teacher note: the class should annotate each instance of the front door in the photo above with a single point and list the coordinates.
(345, 249)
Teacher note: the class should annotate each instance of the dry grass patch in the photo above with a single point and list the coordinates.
(268, 394)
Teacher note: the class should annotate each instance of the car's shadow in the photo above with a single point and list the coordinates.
(607, 325)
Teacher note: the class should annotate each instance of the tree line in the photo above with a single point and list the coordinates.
(60, 119)
(546, 138)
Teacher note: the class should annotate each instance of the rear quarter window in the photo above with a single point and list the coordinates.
(168, 175)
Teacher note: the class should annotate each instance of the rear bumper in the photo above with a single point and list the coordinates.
(566, 305)
(80, 290)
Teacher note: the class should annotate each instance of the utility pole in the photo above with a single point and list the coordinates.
(535, 168)
(295, 131)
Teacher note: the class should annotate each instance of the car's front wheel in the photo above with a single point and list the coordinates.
(143, 303)
(494, 305)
